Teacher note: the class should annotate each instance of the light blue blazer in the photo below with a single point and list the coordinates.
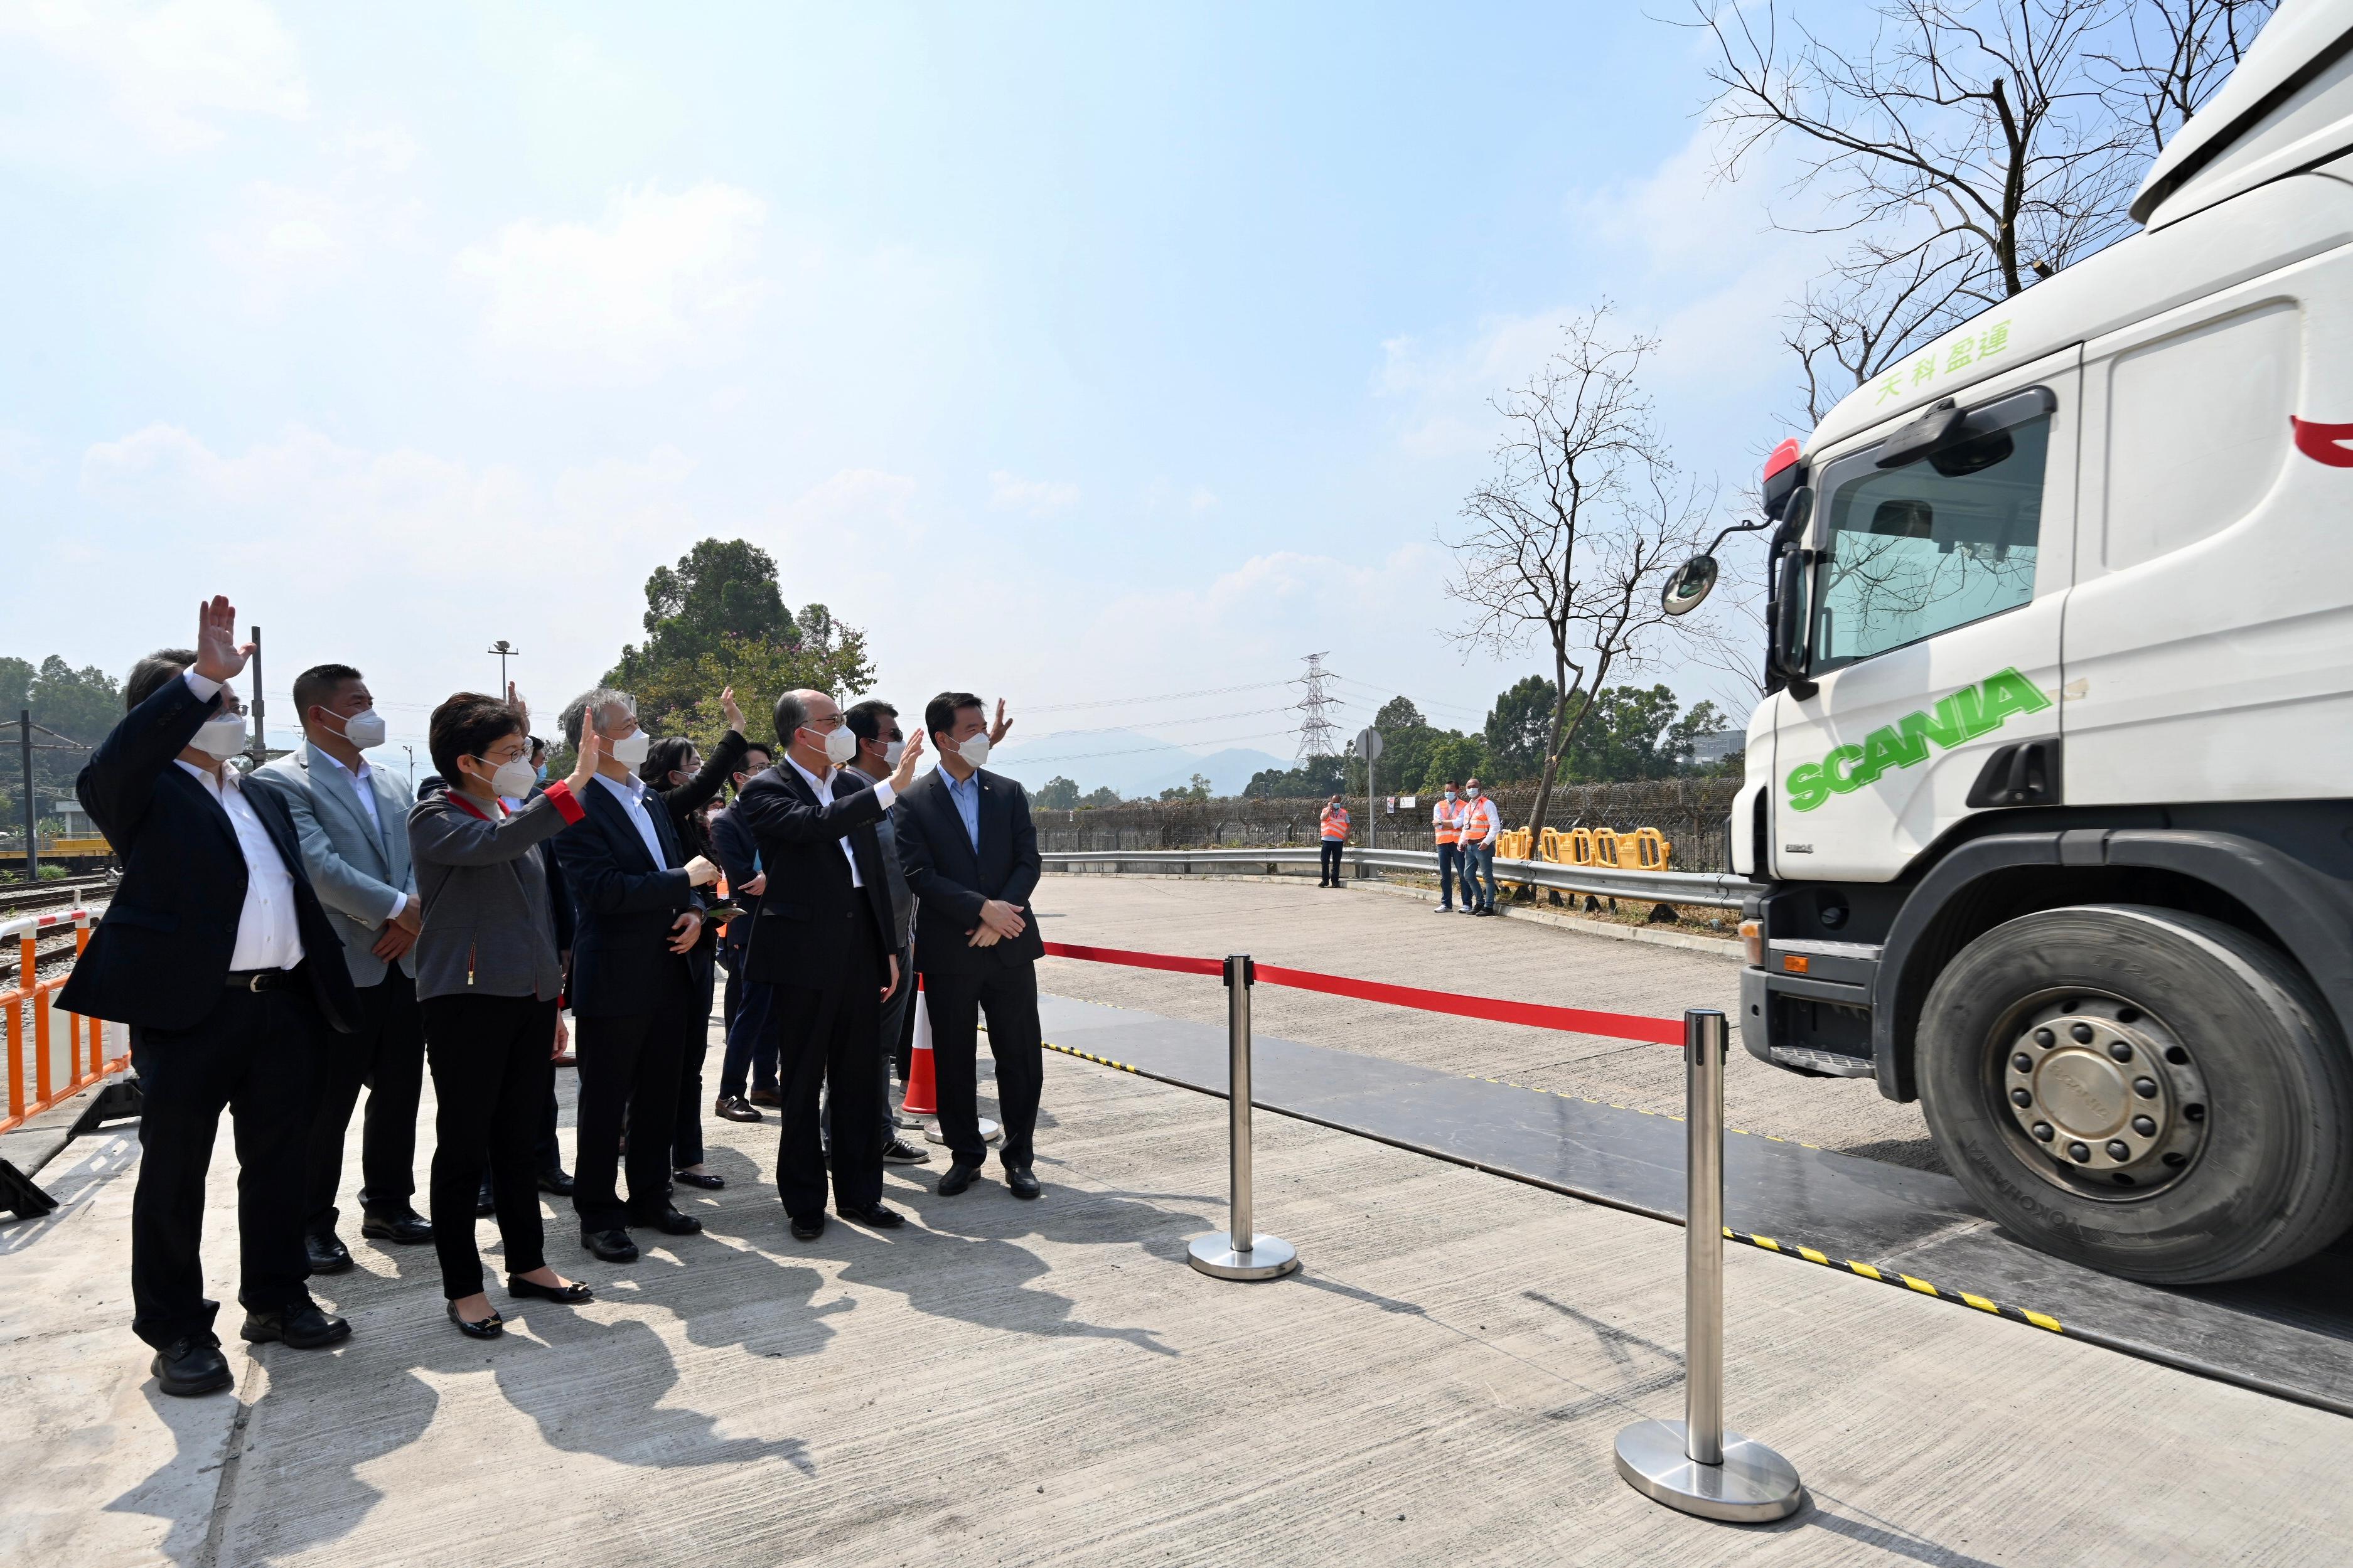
(358, 869)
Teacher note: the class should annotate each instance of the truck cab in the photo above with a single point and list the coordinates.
(2051, 801)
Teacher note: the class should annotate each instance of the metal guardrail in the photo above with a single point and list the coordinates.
(1711, 889)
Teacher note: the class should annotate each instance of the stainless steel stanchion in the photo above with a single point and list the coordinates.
(1241, 1253)
(1694, 1465)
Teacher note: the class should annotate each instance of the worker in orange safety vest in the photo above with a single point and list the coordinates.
(1446, 823)
(1483, 824)
(1334, 825)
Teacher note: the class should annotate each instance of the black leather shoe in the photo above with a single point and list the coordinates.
(670, 1221)
(553, 1180)
(610, 1246)
(190, 1366)
(1021, 1182)
(408, 1229)
(880, 1216)
(305, 1327)
(488, 1328)
(769, 1097)
(570, 1295)
(734, 1108)
(957, 1177)
(709, 1181)
(808, 1229)
(327, 1254)
(484, 1203)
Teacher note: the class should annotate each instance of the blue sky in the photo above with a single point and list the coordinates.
(1077, 353)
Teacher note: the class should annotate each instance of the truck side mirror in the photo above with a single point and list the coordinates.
(1786, 654)
(1688, 587)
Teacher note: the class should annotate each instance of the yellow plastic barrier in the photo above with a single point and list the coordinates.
(1644, 848)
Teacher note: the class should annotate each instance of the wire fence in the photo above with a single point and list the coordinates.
(1691, 814)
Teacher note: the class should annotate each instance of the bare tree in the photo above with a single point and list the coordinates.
(1974, 146)
(1568, 544)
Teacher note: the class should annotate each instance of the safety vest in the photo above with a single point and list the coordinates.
(1447, 819)
(1336, 823)
(1481, 822)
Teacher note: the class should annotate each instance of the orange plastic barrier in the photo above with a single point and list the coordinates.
(85, 1038)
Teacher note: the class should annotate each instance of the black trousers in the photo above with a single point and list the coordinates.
(256, 1055)
(1008, 996)
(490, 1078)
(831, 1033)
(628, 1071)
(385, 1051)
(898, 1024)
(686, 1138)
(1331, 847)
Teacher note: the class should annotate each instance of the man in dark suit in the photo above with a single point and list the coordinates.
(880, 745)
(821, 963)
(971, 857)
(635, 1002)
(751, 1055)
(219, 956)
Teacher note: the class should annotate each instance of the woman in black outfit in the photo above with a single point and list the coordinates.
(488, 976)
(685, 782)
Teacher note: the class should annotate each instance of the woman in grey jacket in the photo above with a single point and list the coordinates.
(488, 980)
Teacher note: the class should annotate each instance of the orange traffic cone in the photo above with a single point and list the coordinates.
(922, 1088)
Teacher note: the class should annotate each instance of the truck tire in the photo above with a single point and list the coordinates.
(2143, 1091)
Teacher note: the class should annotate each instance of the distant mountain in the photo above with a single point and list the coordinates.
(1132, 764)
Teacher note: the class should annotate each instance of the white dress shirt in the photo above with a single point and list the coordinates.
(824, 789)
(266, 935)
(632, 796)
(363, 782)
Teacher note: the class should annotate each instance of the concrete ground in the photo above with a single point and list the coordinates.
(1375, 934)
(1008, 1383)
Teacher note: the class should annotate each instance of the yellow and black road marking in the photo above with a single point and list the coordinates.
(1898, 1278)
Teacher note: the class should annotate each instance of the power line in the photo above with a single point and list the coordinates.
(1135, 751)
(1316, 731)
(1160, 697)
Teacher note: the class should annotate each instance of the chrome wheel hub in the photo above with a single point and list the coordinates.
(2104, 1094)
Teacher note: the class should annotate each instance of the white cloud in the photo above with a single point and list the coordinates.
(1039, 498)
(168, 75)
(23, 455)
(658, 280)
(279, 241)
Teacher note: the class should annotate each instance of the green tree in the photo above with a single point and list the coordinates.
(1453, 757)
(1639, 733)
(718, 619)
(1058, 794)
(1314, 778)
(1198, 790)
(1101, 795)
(1398, 713)
(1518, 726)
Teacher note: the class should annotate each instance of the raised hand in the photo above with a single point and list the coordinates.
(727, 706)
(515, 701)
(904, 773)
(219, 655)
(591, 756)
(997, 730)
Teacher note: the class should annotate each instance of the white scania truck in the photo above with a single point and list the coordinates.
(2052, 798)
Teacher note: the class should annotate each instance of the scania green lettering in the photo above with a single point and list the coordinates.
(2048, 808)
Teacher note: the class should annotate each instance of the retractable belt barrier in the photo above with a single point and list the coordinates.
(1535, 1014)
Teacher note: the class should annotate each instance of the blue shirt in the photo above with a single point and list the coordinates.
(967, 796)
(632, 796)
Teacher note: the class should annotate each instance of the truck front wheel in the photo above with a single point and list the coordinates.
(2148, 1092)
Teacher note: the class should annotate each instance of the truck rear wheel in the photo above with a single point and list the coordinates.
(2148, 1092)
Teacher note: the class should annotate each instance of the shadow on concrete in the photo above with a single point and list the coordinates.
(1881, 1536)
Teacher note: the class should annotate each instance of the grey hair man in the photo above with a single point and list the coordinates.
(635, 990)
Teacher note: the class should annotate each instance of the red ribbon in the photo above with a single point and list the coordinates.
(1535, 1014)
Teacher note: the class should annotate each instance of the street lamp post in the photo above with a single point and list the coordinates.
(505, 650)
(412, 768)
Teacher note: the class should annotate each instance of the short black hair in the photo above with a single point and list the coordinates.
(467, 724)
(939, 712)
(669, 752)
(151, 674)
(315, 686)
(538, 747)
(761, 747)
(865, 719)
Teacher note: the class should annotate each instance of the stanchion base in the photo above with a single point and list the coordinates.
(990, 1132)
(1753, 1485)
(1270, 1257)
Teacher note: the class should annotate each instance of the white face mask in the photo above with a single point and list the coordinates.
(365, 730)
(891, 751)
(222, 735)
(841, 745)
(514, 779)
(630, 750)
(1449, 794)
(974, 749)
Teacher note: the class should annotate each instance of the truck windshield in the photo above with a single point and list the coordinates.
(1919, 550)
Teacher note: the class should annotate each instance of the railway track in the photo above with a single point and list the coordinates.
(53, 950)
